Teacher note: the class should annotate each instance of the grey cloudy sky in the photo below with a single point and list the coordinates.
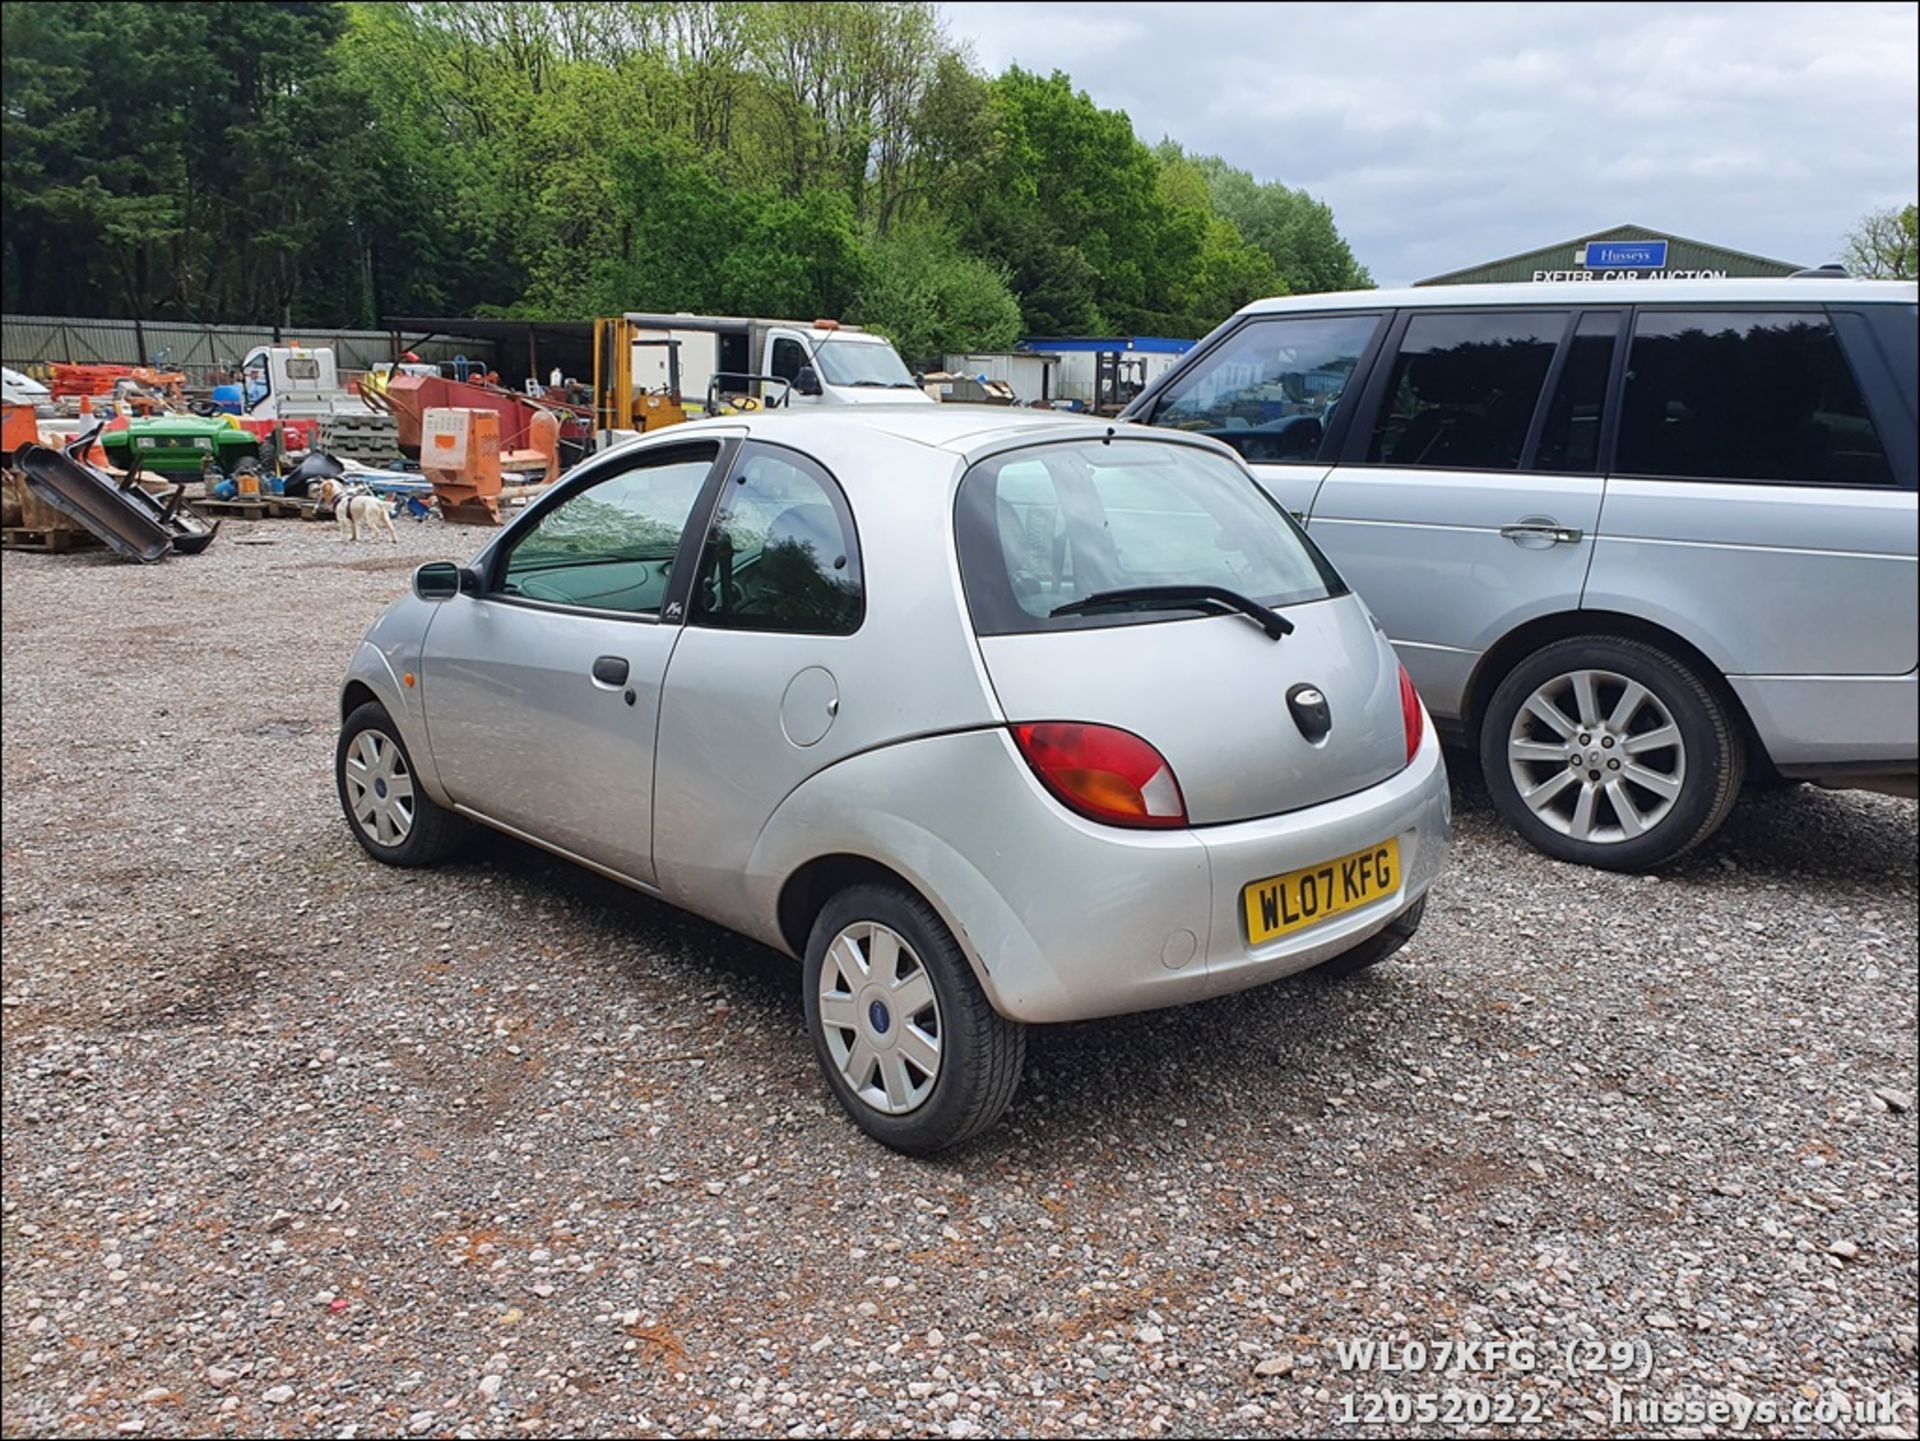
(1446, 134)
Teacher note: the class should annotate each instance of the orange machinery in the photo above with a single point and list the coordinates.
(460, 454)
(99, 380)
(18, 427)
(410, 397)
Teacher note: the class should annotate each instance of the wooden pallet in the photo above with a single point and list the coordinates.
(236, 509)
(47, 542)
(265, 507)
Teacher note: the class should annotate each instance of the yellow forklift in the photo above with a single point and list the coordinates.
(617, 405)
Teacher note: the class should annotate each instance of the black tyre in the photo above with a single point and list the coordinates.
(1375, 948)
(387, 809)
(1612, 753)
(905, 1036)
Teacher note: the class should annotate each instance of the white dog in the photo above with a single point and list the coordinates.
(354, 507)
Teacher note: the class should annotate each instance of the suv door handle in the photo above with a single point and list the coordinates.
(1546, 530)
(610, 670)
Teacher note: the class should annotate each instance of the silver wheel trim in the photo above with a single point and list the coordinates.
(880, 1018)
(379, 788)
(1597, 756)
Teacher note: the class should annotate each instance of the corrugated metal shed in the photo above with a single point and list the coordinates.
(1569, 260)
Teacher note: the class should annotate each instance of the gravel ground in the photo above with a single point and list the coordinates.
(297, 1144)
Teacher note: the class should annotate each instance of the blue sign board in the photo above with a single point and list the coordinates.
(1626, 255)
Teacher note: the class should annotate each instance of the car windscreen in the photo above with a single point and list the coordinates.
(1050, 525)
(860, 363)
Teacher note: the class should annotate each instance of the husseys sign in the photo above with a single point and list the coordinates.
(1625, 260)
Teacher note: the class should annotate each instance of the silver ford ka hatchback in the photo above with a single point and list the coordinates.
(989, 717)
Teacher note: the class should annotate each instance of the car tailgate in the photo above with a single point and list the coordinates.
(1210, 694)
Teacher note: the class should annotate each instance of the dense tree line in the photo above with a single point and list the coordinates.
(332, 163)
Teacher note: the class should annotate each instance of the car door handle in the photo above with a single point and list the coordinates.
(1542, 530)
(610, 670)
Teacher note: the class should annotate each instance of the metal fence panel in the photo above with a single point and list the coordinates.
(206, 353)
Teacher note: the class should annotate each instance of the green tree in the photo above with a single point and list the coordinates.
(176, 159)
(1071, 205)
(844, 80)
(690, 239)
(1884, 246)
(319, 162)
(1295, 230)
(1227, 271)
(929, 297)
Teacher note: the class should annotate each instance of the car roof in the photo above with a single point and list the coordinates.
(961, 429)
(1815, 289)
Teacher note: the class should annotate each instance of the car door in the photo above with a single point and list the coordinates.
(542, 693)
(1277, 390)
(787, 356)
(1757, 505)
(754, 691)
(1465, 500)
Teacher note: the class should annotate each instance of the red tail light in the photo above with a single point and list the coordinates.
(1412, 718)
(1105, 774)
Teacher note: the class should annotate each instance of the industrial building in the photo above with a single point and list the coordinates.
(1100, 371)
(1625, 252)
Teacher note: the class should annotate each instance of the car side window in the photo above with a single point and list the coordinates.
(788, 356)
(781, 554)
(1463, 389)
(1570, 439)
(611, 546)
(1745, 395)
(1270, 389)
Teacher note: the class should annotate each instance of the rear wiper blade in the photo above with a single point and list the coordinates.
(1182, 597)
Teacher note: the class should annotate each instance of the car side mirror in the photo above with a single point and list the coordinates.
(439, 580)
(807, 382)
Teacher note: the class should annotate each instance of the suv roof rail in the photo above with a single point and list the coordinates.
(1832, 270)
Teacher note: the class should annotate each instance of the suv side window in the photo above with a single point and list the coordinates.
(781, 554)
(788, 356)
(1745, 395)
(610, 546)
(1463, 389)
(1270, 389)
(1570, 439)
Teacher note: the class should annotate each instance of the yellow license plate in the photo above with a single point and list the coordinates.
(1299, 899)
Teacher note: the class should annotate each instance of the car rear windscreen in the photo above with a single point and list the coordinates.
(1049, 525)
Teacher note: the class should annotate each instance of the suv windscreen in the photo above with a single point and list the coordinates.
(1046, 526)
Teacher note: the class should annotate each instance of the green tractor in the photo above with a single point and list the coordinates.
(179, 445)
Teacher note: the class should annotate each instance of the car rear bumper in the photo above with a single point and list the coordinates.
(1063, 919)
(1414, 807)
(1867, 724)
(1148, 928)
